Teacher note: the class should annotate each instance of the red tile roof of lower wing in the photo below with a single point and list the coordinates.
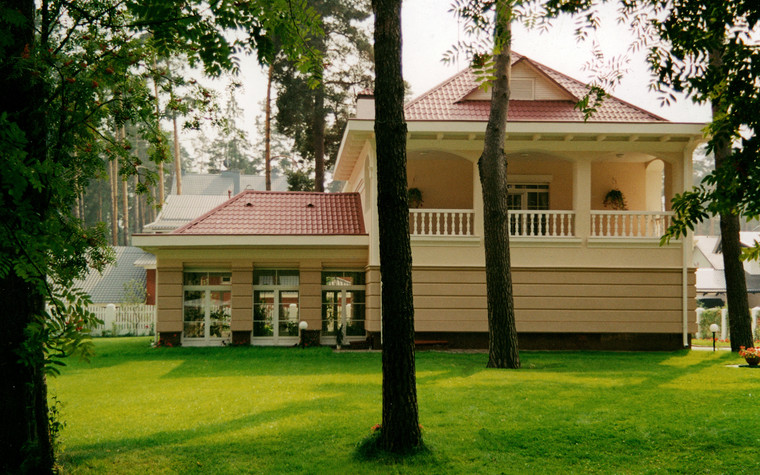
(282, 213)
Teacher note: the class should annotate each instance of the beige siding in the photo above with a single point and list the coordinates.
(373, 297)
(242, 299)
(556, 300)
(168, 297)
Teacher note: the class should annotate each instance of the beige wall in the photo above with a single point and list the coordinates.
(241, 263)
(560, 171)
(445, 180)
(552, 300)
(630, 178)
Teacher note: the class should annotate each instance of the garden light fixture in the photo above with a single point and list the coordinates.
(714, 328)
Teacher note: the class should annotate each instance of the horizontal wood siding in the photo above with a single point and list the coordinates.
(556, 300)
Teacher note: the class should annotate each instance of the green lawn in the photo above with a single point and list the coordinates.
(135, 409)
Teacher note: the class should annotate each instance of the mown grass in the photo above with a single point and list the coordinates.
(135, 409)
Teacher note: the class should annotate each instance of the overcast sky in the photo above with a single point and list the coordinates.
(429, 30)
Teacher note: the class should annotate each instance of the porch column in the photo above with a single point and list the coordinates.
(310, 289)
(582, 197)
(477, 202)
(374, 230)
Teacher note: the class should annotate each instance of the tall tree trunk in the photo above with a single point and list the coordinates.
(125, 196)
(160, 194)
(318, 126)
(114, 203)
(24, 429)
(177, 159)
(268, 132)
(400, 427)
(739, 319)
(502, 332)
(137, 204)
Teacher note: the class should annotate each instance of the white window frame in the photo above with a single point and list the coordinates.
(206, 339)
(331, 339)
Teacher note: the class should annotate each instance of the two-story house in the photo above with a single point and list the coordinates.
(585, 275)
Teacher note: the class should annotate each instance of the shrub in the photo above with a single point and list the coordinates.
(709, 316)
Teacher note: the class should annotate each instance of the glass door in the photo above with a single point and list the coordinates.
(275, 307)
(206, 308)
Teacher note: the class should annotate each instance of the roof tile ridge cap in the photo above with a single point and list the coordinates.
(586, 86)
(201, 218)
(436, 88)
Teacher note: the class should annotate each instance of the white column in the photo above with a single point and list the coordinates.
(700, 311)
(582, 197)
(724, 324)
(477, 202)
(374, 234)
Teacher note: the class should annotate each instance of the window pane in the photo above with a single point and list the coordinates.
(194, 305)
(263, 313)
(194, 329)
(338, 278)
(219, 324)
(288, 278)
(193, 278)
(219, 278)
(355, 313)
(288, 318)
(331, 311)
(264, 277)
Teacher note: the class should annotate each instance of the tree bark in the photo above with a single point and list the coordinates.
(114, 203)
(739, 319)
(318, 127)
(268, 132)
(177, 158)
(24, 430)
(400, 427)
(492, 165)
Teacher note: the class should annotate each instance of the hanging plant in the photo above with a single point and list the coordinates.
(615, 199)
(414, 197)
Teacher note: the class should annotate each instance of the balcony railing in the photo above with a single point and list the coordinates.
(441, 222)
(545, 223)
(629, 224)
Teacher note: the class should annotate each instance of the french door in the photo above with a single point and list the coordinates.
(275, 307)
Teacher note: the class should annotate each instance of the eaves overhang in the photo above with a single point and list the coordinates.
(152, 242)
(422, 134)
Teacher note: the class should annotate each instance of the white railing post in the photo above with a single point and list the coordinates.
(755, 315)
(700, 311)
(723, 323)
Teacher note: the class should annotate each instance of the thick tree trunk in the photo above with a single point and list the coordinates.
(24, 431)
(400, 427)
(739, 319)
(502, 333)
(268, 132)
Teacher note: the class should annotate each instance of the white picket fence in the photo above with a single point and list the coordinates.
(118, 320)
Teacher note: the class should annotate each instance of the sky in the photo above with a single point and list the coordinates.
(429, 30)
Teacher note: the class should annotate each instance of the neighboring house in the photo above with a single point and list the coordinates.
(203, 192)
(711, 281)
(108, 287)
(584, 276)
(227, 183)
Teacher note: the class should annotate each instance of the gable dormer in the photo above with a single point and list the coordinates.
(528, 83)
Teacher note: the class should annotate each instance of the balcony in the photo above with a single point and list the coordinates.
(544, 224)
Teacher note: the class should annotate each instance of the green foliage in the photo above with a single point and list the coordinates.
(134, 292)
(346, 70)
(710, 316)
(300, 180)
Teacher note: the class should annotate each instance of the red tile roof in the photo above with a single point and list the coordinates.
(444, 102)
(282, 213)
